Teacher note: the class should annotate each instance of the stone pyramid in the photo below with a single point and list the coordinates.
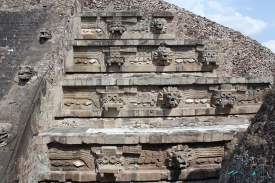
(147, 92)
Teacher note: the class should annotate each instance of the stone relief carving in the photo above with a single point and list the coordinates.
(210, 56)
(71, 160)
(81, 100)
(115, 57)
(26, 72)
(4, 133)
(170, 97)
(137, 59)
(116, 27)
(163, 56)
(159, 26)
(182, 157)
(111, 97)
(153, 98)
(226, 96)
(92, 59)
(236, 95)
(112, 159)
(112, 101)
(96, 27)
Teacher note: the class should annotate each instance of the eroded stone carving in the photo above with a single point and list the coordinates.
(210, 56)
(123, 24)
(137, 59)
(163, 56)
(226, 96)
(26, 72)
(82, 100)
(180, 157)
(4, 133)
(129, 101)
(115, 57)
(113, 159)
(111, 98)
(45, 33)
(116, 27)
(159, 26)
(112, 101)
(71, 160)
(170, 97)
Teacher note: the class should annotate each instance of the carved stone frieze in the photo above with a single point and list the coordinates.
(114, 159)
(162, 58)
(129, 101)
(123, 25)
(4, 133)
(71, 160)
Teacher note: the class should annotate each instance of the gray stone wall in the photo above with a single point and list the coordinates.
(18, 29)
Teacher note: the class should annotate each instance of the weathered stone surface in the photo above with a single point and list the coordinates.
(136, 91)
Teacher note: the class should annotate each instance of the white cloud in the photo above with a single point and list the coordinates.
(236, 21)
(270, 44)
(229, 17)
(225, 15)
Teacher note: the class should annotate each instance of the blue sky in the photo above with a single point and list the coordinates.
(253, 18)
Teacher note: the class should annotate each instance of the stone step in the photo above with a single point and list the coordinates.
(139, 136)
(156, 79)
(152, 122)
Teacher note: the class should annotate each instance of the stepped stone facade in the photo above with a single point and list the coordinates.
(136, 91)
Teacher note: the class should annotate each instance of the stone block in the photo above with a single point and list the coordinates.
(217, 136)
(83, 82)
(144, 138)
(89, 82)
(89, 139)
(131, 138)
(155, 138)
(207, 137)
(85, 177)
(100, 138)
(227, 136)
(125, 176)
(187, 137)
(116, 138)
(120, 82)
(148, 176)
(143, 81)
(57, 177)
(166, 138)
(73, 139)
